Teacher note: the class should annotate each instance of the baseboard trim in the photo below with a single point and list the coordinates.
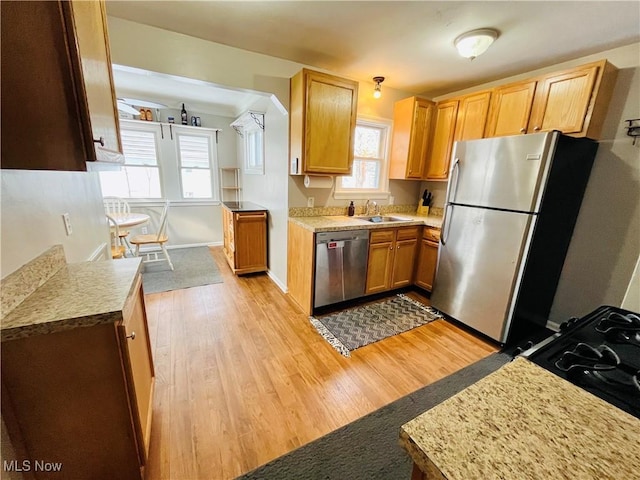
(99, 253)
(277, 281)
(186, 245)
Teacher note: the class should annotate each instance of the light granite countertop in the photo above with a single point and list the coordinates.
(78, 295)
(523, 422)
(335, 223)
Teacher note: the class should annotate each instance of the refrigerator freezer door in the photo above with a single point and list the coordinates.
(479, 266)
(502, 172)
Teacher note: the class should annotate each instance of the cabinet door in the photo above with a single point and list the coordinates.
(250, 238)
(472, 116)
(445, 121)
(404, 262)
(410, 137)
(426, 265)
(139, 364)
(42, 123)
(95, 58)
(379, 267)
(562, 101)
(510, 109)
(330, 122)
(419, 139)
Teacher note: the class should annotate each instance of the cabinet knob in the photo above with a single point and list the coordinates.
(536, 128)
(132, 336)
(522, 130)
(391, 247)
(99, 140)
(398, 246)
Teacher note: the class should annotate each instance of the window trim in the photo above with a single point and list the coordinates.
(382, 192)
(214, 186)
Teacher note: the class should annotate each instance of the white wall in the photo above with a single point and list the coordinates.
(32, 204)
(605, 246)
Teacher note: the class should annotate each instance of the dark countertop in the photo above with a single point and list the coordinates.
(243, 206)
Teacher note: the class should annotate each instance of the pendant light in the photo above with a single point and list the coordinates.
(377, 92)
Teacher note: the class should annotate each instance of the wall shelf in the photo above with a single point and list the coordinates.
(230, 188)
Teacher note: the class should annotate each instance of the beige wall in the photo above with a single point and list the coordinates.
(606, 242)
(32, 206)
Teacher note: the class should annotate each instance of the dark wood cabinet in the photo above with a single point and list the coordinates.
(58, 103)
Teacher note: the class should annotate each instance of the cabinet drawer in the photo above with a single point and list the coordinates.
(407, 233)
(432, 234)
(380, 236)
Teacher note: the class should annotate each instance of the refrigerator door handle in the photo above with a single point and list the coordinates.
(451, 191)
(445, 224)
(454, 168)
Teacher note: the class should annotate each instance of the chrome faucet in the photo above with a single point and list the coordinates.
(371, 205)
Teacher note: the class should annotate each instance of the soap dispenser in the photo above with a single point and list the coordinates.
(352, 209)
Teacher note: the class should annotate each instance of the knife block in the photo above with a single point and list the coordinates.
(422, 211)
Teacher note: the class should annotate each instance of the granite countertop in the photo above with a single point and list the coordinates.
(78, 295)
(244, 206)
(523, 422)
(342, 222)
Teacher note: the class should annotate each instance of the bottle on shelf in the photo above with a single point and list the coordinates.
(352, 209)
(183, 115)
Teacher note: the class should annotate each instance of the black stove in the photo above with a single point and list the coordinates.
(600, 353)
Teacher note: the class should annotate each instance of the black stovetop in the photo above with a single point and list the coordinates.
(599, 353)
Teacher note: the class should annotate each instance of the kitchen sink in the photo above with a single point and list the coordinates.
(385, 218)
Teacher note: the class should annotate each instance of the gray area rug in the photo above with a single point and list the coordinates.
(192, 267)
(369, 448)
(356, 327)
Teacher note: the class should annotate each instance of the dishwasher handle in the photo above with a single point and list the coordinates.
(342, 236)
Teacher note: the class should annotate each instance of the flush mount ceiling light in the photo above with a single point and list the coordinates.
(377, 92)
(476, 42)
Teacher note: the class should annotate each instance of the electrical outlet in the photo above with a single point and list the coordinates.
(311, 201)
(144, 230)
(392, 200)
(67, 223)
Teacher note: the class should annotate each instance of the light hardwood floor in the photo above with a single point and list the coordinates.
(242, 377)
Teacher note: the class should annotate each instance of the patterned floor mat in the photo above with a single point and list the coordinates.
(356, 327)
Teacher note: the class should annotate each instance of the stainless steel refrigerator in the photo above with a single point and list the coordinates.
(511, 206)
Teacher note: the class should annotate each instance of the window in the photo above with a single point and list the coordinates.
(194, 155)
(369, 175)
(250, 127)
(175, 162)
(140, 175)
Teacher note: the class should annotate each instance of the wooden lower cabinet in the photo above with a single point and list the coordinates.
(82, 398)
(245, 240)
(392, 254)
(427, 258)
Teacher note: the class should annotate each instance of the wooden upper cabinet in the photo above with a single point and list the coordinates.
(510, 109)
(472, 116)
(90, 20)
(322, 123)
(442, 142)
(574, 101)
(52, 78)
(410, 137)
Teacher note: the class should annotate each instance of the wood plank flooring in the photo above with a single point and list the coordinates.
(242, 377)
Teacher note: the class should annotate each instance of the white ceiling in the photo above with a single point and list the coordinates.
(409, 43)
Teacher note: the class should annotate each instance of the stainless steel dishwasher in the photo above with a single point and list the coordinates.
(341, 266)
